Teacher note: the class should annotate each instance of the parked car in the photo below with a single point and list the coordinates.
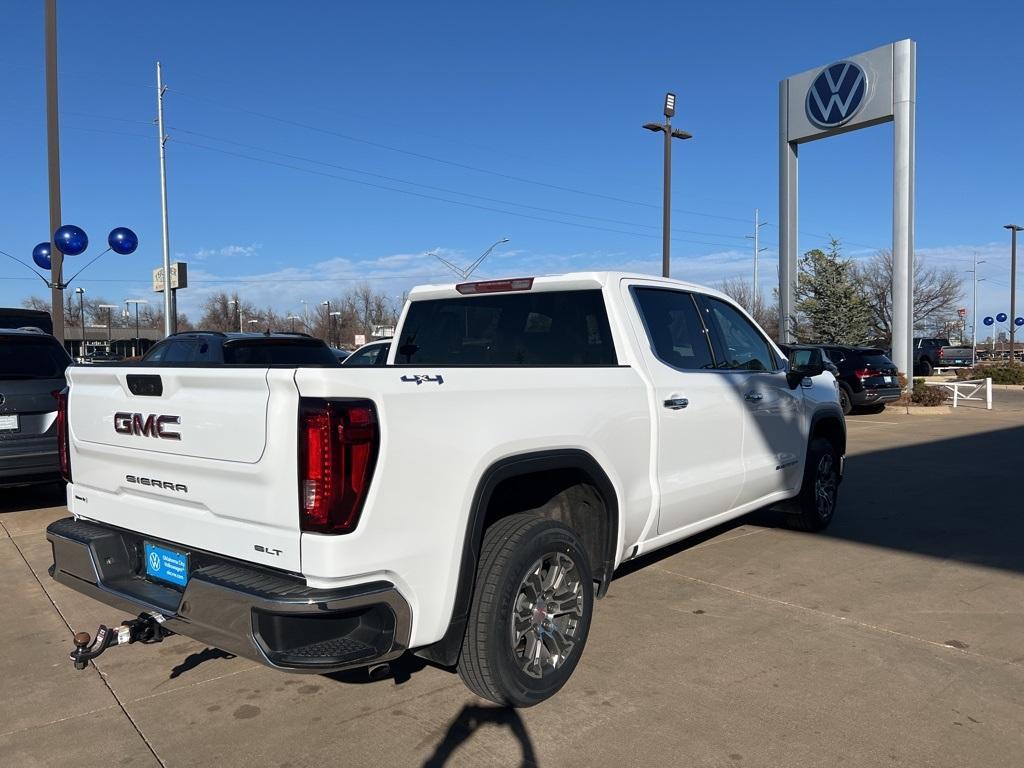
(216, 348)
(374, 353)
(468, 502)
(32, 365)
(102, 356)
(867, 378)
(28, 319)
(931, 353)
(340, 354)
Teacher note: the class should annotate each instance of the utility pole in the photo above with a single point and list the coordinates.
(974, 323)
(81, 315)
(53, 165)
(1014, 229)
(666, 215)
(108, 307)
(756, 299)
(170, 310)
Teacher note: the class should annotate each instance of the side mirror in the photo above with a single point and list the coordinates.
(804, 363)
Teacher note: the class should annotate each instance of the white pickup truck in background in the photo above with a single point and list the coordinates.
(467, 501)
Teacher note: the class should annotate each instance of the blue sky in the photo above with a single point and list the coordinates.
(314, 144)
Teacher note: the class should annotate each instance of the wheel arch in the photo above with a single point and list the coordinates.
(521, 467)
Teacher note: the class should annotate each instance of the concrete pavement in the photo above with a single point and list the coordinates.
(893, 639)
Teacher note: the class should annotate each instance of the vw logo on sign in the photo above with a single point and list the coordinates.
(836, 94)
(154, 561)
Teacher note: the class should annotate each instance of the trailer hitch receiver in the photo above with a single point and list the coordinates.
(146, 628)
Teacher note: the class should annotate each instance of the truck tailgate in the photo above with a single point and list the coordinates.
(208, 462)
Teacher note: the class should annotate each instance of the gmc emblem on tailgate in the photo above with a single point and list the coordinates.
(150, 426)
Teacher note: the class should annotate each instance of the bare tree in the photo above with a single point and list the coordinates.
(937, 293)
(764, 313)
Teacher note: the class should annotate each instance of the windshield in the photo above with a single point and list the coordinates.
(291, 352)
(28, 357)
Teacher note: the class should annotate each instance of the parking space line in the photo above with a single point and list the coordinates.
(872, 421)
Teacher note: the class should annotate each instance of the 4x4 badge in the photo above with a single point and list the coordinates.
(421, 378)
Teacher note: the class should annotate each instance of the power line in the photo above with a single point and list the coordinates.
(445, 190)
(443, 161)
(440, 199)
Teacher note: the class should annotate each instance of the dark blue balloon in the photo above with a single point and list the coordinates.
(1001, 317)
(41, 255)
(122, 240)
(1019, 322)
(988, 321)
(71, 240)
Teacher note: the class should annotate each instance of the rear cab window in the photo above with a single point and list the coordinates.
(539, 328)
(32, 357)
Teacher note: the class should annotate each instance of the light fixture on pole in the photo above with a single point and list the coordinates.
(109, 308)
(332, 316)
(137, 346)
(670, 133)
(1014, 229)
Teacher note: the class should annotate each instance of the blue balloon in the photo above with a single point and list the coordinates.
(122, 240)
(41, 255)
(1019, 321)
(1001, 317)
(988, 321)
(71, 240)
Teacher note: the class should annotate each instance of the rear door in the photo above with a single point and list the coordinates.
(774, 445)
(203, 457)
(699, 418)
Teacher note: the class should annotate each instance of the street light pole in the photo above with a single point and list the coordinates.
(330, 333)
(170, 308)
(137, 347)
(81, 316)
(108, 307)
(666, 216)
(1014, 229)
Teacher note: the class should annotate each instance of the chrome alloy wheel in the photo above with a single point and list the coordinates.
(547, 614)
(826, 483)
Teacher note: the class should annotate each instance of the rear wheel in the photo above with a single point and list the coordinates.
(844, 400)
(816, 504)
(531, 611)
(926, 367)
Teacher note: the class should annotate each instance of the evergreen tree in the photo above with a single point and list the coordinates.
(830, 305)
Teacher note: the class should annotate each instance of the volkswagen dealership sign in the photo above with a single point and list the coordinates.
(836, 94)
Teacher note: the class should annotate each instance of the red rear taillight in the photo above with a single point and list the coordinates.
(63, 446)
(338, 442)
(866, 373)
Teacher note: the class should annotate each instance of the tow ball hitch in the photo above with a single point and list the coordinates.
(147, 628)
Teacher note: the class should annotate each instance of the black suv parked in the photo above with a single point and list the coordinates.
(867, 378)
(32, 365)
(216, 348)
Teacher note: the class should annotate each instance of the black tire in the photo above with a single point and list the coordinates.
(490, 663)
(925, 366)
(845, 400)
(807, 514)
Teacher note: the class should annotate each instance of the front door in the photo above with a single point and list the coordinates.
(699, 419)
(774, 446)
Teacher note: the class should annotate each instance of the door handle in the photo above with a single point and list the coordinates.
(676, 403)
(753, 397)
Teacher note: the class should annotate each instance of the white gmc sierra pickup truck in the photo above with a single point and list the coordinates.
(467, 501)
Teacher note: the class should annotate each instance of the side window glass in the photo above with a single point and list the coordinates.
(179, 351)
(674, 328)
(739, 346)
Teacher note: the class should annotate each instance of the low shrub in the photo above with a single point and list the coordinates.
(927, 396)
(1006, 373)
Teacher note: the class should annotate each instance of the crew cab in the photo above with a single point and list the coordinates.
(932, 353)
(467, 501)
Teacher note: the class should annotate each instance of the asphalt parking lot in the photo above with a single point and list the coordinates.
(896, 638)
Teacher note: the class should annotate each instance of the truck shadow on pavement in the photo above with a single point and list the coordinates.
(25, 498)
(955, 499)
(472, 718)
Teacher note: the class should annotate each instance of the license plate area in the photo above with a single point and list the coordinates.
(9, 422)
(167, 565)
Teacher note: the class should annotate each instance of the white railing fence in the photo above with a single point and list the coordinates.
(967, 390)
